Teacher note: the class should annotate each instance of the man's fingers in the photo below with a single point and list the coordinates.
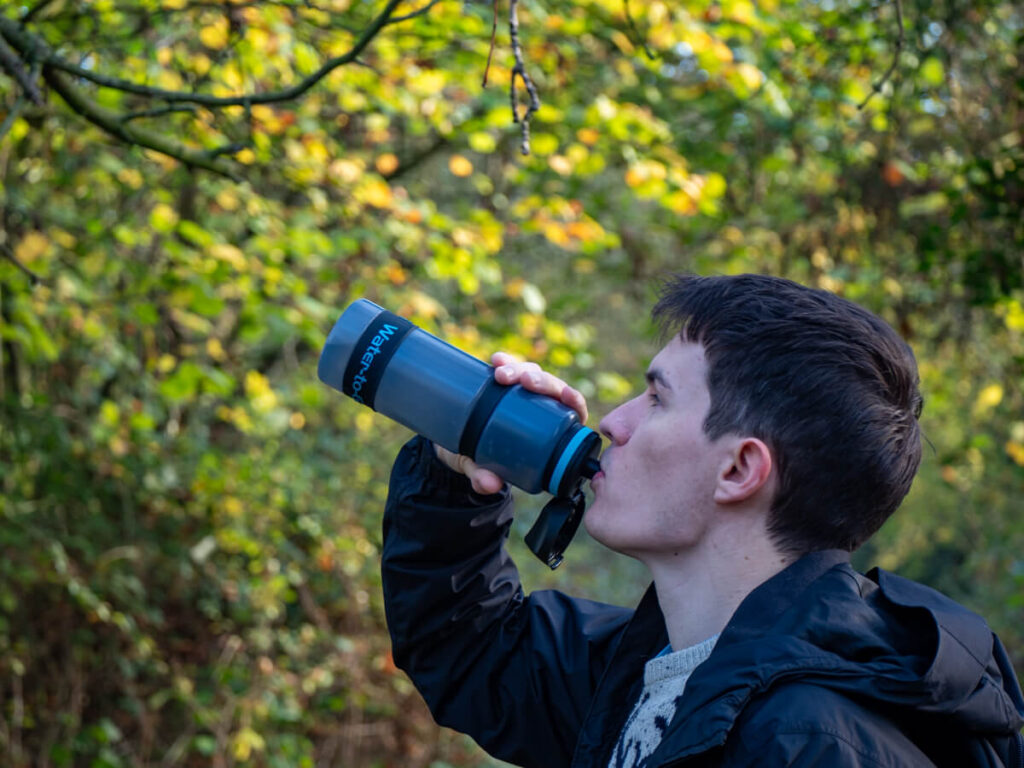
(575, 400)
(483, 480)
(510, 371)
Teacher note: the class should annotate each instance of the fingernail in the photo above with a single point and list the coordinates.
(534, 378)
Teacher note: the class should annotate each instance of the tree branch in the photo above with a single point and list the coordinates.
(877, 87)
(519, 71)
(494, 33)
(636, 32)
(9, 255)
(33, 48)
(114, 124)
(14, 66)
(157, 112)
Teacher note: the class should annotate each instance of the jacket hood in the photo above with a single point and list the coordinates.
(882, 639)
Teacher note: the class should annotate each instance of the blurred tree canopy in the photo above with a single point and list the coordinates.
(192, 191)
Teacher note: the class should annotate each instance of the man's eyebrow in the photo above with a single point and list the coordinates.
(657, 376)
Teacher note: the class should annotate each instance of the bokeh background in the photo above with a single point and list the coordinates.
(190, 521)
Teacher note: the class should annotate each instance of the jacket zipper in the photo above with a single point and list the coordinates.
(1018, 750)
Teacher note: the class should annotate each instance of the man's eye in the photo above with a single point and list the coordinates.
(653, 399)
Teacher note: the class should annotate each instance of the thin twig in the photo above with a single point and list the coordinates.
(494, 33)
(519, 70)
(877, 87)
(11, 257)
(12, 115)
(413, 14)
(640, 39)
(31, 12)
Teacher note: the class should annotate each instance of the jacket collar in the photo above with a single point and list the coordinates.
(767, 602)
(709, 710)
(706, 717)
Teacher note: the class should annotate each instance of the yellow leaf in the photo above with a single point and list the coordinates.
(635, 176)
(346, 171)
(739, 10)
(622, 42)
(1016, 451)
(32, 246)
(231, 254)
(714, 185)
(556, 234)
(374, 192)
(460, 166)
(257, 389)
(679, 202)
(988, 398)
(215, 36)
(386, 163)
(63, 238)
(1015, 316)
(227, 199)
(163, 218)
(246, 742)
(750, 75)
(482, 142)
(550, 114)
(130, 177)
(427, 83)
(560, 164)
(214, 348)
(543, 144)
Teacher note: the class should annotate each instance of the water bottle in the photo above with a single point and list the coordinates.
(532, 441)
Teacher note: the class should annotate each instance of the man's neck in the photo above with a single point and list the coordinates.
(699, 590)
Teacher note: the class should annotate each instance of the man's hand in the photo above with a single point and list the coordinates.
(508, 371)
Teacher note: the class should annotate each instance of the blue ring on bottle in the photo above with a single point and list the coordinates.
(566, 457)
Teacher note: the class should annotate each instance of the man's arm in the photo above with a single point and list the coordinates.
(516, 673)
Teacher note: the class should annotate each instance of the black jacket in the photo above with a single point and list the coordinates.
(820, 665)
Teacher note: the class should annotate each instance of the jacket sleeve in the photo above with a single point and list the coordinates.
(516, 673)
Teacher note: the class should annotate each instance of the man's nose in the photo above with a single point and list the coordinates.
(617, 425)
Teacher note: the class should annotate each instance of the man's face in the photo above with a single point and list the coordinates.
(654, 494)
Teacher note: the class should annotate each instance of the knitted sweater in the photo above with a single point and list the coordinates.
(665, 679)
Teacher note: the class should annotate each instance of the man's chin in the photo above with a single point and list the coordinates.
(593, 523)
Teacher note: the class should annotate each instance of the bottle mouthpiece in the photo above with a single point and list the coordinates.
(590, 468)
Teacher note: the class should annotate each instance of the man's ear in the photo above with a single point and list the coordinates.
(747, 469)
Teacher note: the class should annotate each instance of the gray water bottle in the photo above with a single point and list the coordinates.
(532, 441)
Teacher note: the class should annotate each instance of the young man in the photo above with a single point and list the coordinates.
(777, 432)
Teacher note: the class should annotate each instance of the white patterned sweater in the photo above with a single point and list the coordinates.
(665, 679)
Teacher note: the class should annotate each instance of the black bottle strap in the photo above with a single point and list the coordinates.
(487, 400)
(371, 355)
